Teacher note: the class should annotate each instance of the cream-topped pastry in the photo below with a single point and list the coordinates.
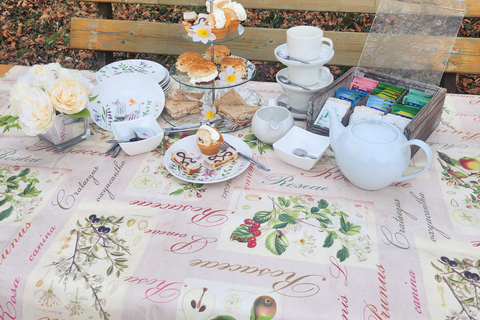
(217, 4)
(209, 140)
(238, 9)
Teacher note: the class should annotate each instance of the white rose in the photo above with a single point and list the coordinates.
(83, 80)
(35, 112)
(17, 93)
(68, 95)
(40, 75)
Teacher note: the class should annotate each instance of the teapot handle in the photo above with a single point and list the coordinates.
(428, 153)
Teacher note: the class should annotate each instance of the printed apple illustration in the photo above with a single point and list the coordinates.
(264, 308)
(471, 164)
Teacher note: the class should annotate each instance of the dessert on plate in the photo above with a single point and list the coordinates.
(202, 72)
(220, 159)
(209, 140)
(188, 164)
(238, 65)
(219, 21)
(237, 13)
(219, 52)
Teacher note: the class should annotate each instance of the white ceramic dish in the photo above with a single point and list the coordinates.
(124, 129)
(224, 173)
(297, 137)
(320, 61)
(152, 69)
(142, 95)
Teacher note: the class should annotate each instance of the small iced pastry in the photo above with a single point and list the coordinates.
(201, 17)
(188, 164)
(220, 159)
(190, 16)
(237, 13)
(219, 52)
(202, 72)
(219, 21)
(208, 140)
(238, 65)
(187, 58)
(217, 4)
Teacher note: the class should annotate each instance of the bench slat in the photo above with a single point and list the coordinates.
(472, 7)
(255, 44)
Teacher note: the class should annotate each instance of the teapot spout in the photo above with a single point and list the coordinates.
(336, 126)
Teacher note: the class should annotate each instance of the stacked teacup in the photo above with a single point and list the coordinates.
(304, 54)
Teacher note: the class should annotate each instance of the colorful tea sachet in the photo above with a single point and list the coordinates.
(416, 98)
(364, 84)
(354, 96)
(363, 113)
(341, 106)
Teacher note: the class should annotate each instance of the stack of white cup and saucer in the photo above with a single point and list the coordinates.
(307, 44)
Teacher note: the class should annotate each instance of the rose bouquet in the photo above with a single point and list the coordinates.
(41, 93)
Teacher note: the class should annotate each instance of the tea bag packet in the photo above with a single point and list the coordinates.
(416, 98)
(405, 110)
(363, 113)
(363, 83)
(340, 106)
(352, 96)
(144, 133)
(379, 103)
(397, 121)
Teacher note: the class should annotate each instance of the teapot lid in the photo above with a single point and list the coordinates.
(375, 130)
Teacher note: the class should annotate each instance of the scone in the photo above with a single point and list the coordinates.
(187, 58)
(215, 161)
(209, 140)
(188, 164)
(219, 52)
(219, 21)
(238, 65)
(237, 13)
(202, 72)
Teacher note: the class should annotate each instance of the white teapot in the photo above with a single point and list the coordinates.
(373, 154)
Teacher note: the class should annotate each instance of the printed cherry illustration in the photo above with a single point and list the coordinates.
(252, 242)
(264, 308)
(471, 164)
(92, 217)
(445, 259)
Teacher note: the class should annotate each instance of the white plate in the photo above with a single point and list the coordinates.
(142, 95)
(205, 175)
(152, 69)
(284, 98)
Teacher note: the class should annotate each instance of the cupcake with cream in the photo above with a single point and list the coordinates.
(219, 21)
(209, 140)
(217, 4)
(237, 13)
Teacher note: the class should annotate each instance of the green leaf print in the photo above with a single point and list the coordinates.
(342, 254)
(262, 216)
(276, 243)
(287, 218)
(241, 234)
(6, 213)
(348, 228)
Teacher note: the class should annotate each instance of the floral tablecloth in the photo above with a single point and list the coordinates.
(86, 236)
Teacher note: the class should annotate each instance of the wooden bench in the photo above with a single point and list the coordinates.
(106, 35)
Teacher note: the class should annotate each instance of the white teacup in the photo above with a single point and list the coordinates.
(308, 76)
(297, 97)
(305, 43)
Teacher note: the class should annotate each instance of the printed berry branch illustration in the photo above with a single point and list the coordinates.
(462, 173)
(17, 191)
(98, 235)
(293, 212)
(463, 280)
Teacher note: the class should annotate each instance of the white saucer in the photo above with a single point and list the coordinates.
(320, 61)
(284, 98)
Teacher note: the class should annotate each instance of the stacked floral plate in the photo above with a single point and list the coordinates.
(152, 69)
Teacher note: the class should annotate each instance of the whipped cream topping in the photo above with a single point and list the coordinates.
(238, 9)
(216, 4)
(213, 133)
(194, 80)
(219, 17)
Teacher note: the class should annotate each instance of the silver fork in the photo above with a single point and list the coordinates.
(121, 111)
(225, 145)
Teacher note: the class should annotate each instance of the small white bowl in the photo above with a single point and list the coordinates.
(297, 137)
(123, 129)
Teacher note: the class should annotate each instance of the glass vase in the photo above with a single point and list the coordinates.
(65, 132)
